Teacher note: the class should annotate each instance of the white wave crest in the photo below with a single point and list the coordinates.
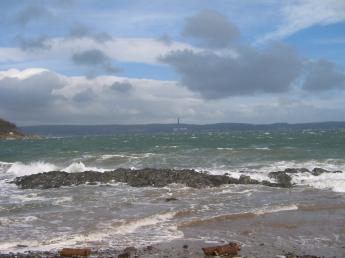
(156, 222)
(80, 167)
(332, 181)
(22, 169)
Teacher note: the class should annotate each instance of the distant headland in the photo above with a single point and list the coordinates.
(10, 131)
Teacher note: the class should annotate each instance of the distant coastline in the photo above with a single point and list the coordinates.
(90, 130)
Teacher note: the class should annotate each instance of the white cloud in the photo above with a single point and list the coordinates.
(36, 96)
(301, 14)
(8, 54)
(40, 96)
(15, 73)
(140, 50)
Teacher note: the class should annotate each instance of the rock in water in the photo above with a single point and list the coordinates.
(283, 179)
(246, 180)
(136, 178)
(318, 171)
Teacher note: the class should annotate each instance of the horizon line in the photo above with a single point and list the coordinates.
(193, 124)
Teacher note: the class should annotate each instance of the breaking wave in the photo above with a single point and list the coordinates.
(23, 169)
(331, 181)
(118, 231)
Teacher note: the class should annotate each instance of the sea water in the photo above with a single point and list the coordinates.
(116, 215)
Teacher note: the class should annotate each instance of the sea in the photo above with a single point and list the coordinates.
(308, 218)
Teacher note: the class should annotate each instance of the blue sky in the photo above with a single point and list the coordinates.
(205, 61)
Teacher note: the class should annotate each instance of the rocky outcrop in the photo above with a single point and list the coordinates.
(155, 177)
(136, 178)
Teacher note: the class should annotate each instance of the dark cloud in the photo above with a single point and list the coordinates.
(31, 94)
(122, 87)
(94, 58)
(33, 44)
(211, 28)
(78, 31)
(323, 75)
(32, 12)
(85, 96)
(219, 76)
(166, 39)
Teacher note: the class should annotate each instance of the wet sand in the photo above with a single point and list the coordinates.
(305, 231)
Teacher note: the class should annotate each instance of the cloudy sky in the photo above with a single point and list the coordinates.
(151, 61)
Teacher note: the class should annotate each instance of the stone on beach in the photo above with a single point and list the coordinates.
(73, 252)
(229, 249)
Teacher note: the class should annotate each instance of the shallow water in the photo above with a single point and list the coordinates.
(309, 215)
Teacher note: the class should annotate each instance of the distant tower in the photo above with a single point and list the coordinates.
(178, 128)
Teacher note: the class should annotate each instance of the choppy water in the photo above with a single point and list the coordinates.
(105, 216)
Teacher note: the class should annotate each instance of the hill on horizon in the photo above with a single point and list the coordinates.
(9, 129)
(71, 130)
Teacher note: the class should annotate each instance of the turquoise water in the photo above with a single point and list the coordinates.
(245, 147)
(116, 216)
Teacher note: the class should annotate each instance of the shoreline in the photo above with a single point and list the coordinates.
(175, 248)
(302, 226)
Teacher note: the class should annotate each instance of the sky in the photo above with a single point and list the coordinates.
(151, 61)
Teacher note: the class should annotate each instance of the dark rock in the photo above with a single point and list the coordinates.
(144, 177)
(283, 179)
(304, 170)
(246, 180)
(129, 252)
(149, 247)
(21, 246)
(295, 170)
(153, 177)
(291, 170)
(170, 199)
(318, 171)
(136, 178)
(270, 184)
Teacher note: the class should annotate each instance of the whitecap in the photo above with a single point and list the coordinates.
(81, 167)
(22, 169)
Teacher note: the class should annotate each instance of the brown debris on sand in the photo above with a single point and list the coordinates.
(229, 249)
(72, 252)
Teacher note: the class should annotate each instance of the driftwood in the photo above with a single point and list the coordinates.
(229, 249)
(70, 252)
